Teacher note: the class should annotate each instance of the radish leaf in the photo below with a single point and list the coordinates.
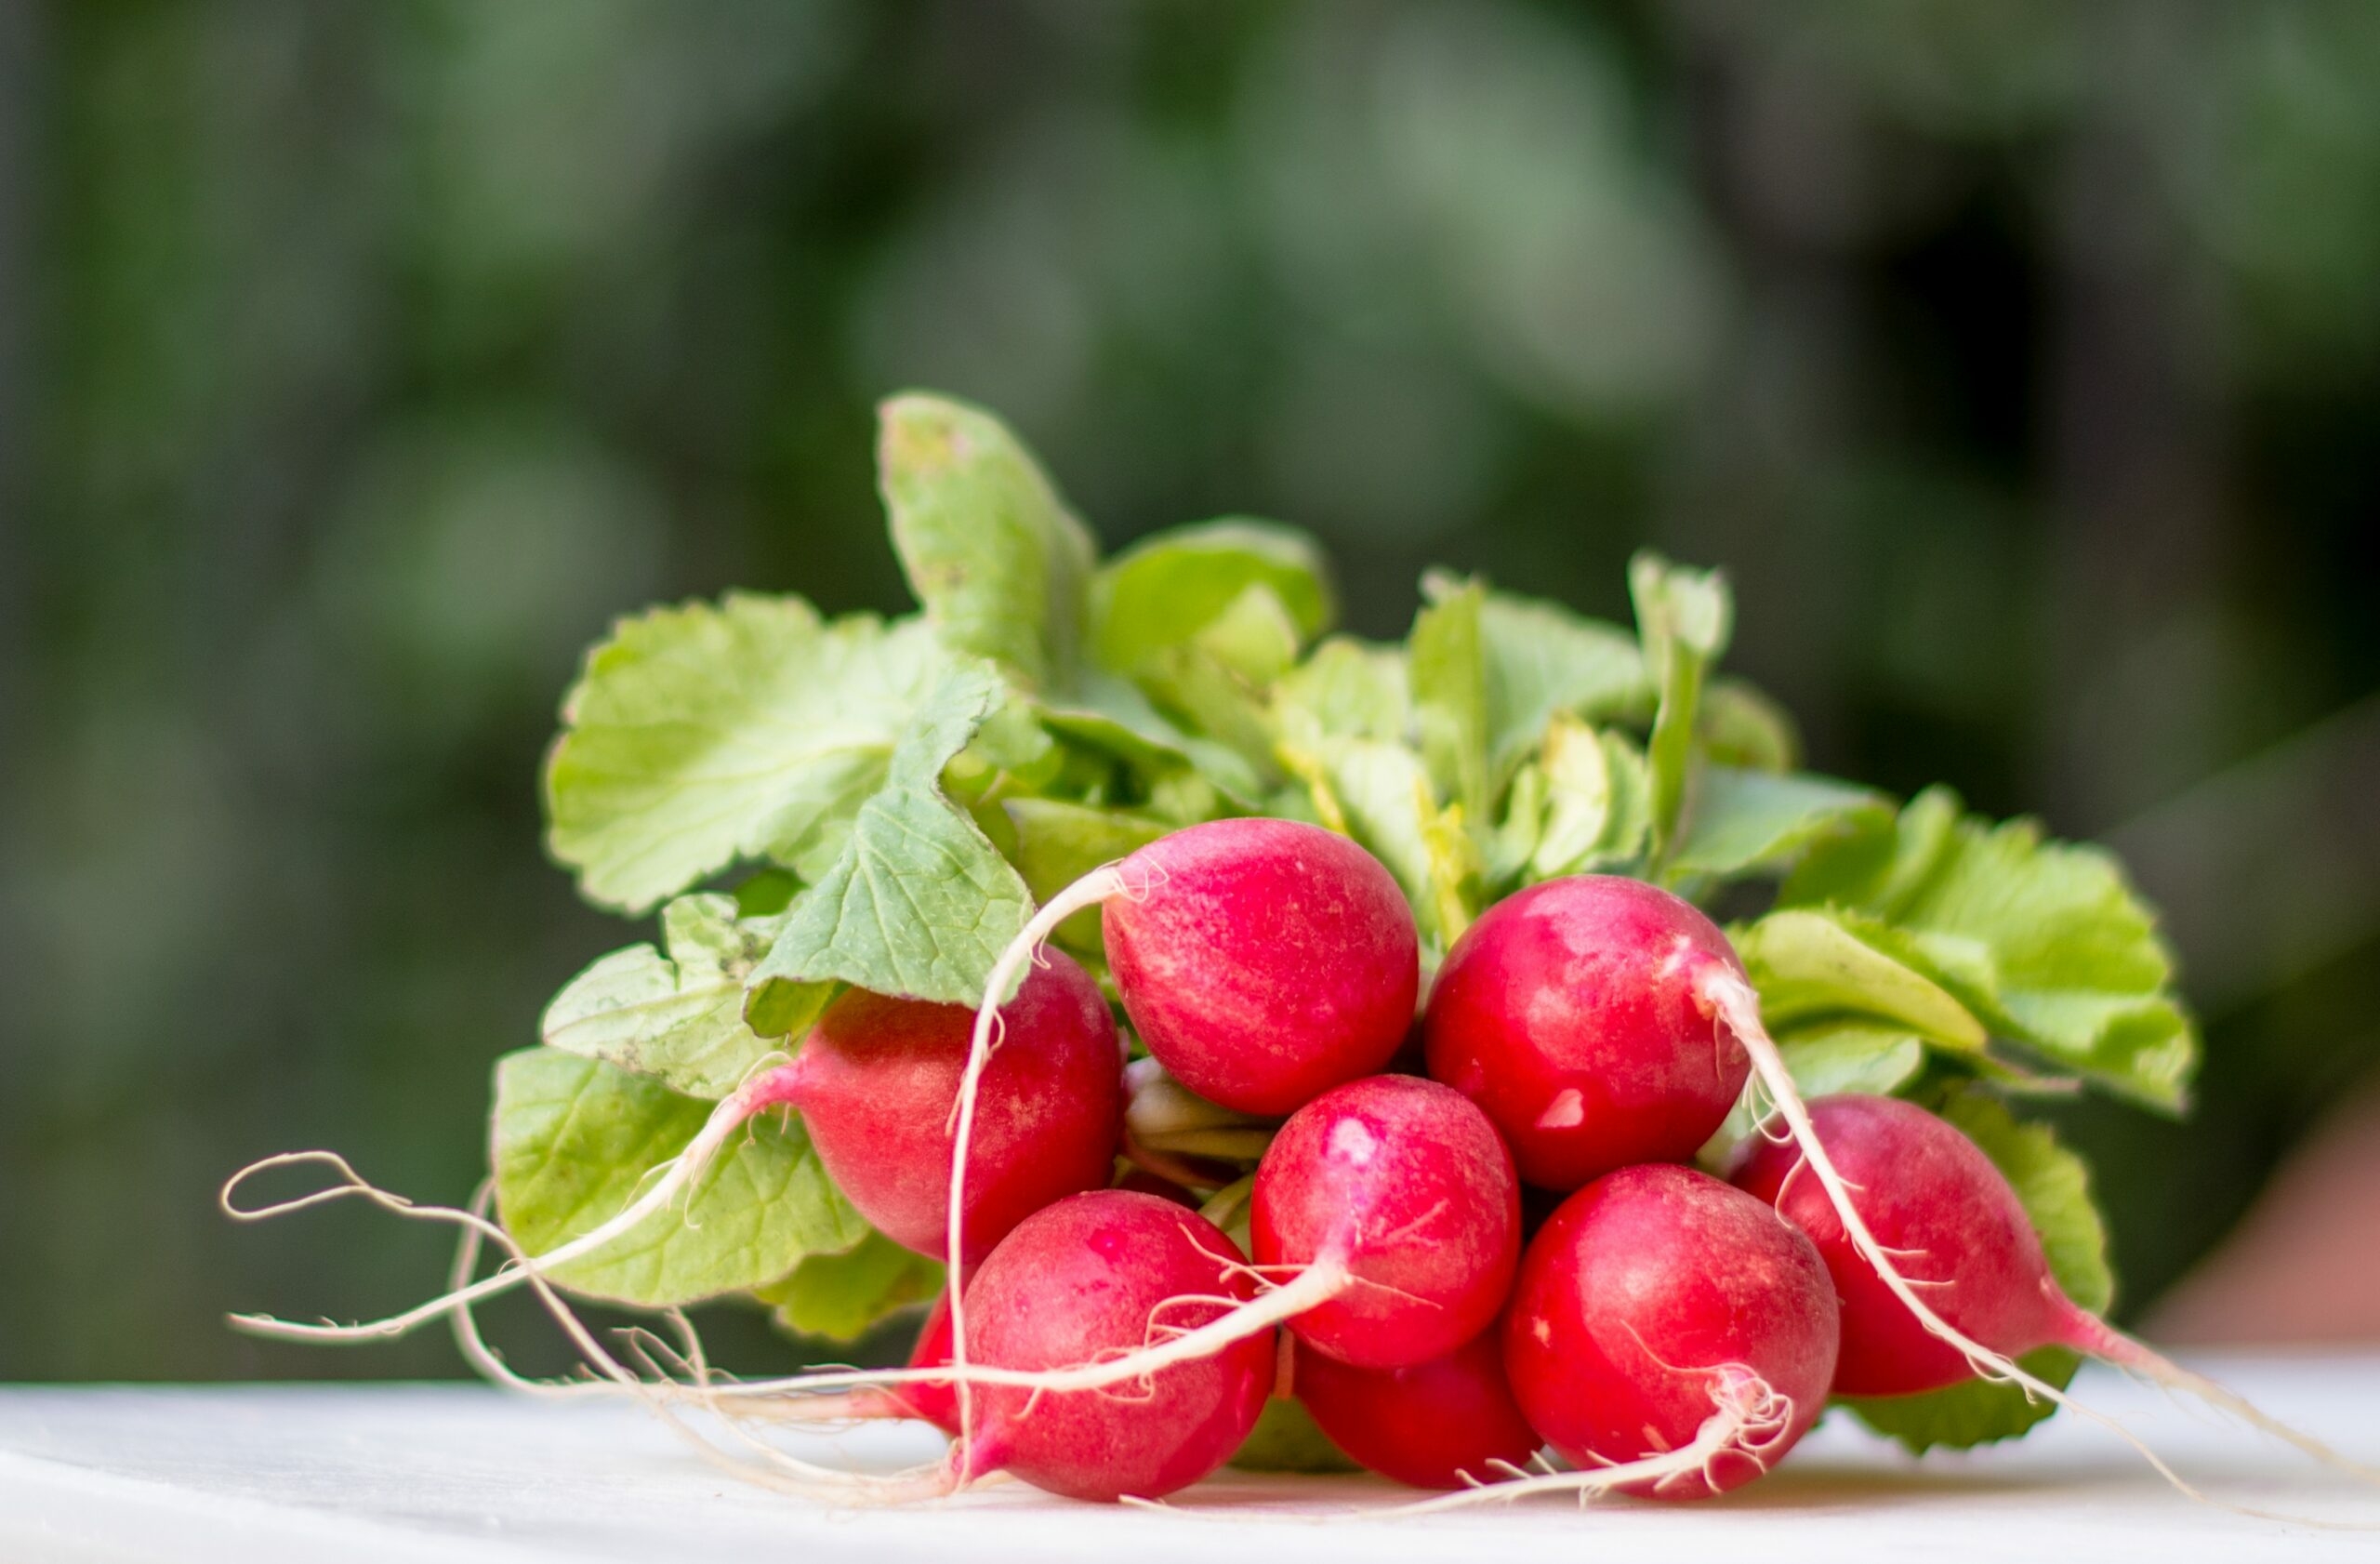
(575, 1139)
(679, 1016)
(699, 734)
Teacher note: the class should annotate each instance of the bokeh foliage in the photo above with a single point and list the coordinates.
(359, 363)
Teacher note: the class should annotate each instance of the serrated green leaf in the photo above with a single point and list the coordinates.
(920, 904)
(677, 1015)
(1165, 589)
(1002, 566)
(1830, 963)
(575, 1140)
(1540, 658)
(2056, 1189)
(2044, 941)
(697, 735)
(1598, 802)
(1683, 619)
(842, 1297)
(1446, 663)
(1739, 821)
(1057, 843)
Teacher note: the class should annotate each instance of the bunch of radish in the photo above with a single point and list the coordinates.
(1422, 1155)
(1663, 1333)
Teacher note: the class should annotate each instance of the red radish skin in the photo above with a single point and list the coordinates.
(877, 1078)
(1955, 1228)
(1571, 1013)
(1403, 1186)
(1268, 961)
(1091, 1276)
(1444, 1424)
(1652, 1293)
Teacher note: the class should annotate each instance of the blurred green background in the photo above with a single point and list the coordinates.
(2021, 362)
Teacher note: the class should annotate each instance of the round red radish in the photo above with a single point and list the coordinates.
(1651, 1295)
(1088, 1278)
(1403, 1186)
(1574, 1012)
(1432, 1424)
(877, 1077)
(1262, 962)
(1955, 1228)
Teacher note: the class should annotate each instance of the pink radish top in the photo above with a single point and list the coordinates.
(1264, 962)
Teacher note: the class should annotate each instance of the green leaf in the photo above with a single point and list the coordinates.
(678, 1016)
(1216, 680)
(1829, 963)
(1739, 821)
(697, 735)
(1447, 665)
(1838, 1056)
(575, 1139)
(2056, 1189)
(1002, 568)
(1347, 689)
(2044, 941)
(1540, 658)
(842, 1297)
(1683, 619)
(920, 904)
(1598, 802)
(1166, 588)
(1379, 794)
(1057, 843)
(1287, 1438)
(1743, 727)
(1111, 716)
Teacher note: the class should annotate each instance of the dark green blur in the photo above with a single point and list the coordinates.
(2021, 362)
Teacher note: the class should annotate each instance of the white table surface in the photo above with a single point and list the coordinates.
(465, 1475)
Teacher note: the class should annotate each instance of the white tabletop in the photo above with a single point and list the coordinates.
(465, 1475)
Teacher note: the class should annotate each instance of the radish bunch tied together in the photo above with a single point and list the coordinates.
(1182, 1000)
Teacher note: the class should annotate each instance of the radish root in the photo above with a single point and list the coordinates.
(1748, 1422)
(677, 1176)
(1738, 1005)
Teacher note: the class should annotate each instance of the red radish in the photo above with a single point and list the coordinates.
(876, 1079)
(1442, 1423)
(1261, 960)
(1954, 1226)
(1399, 1187)
(1576, 1012)
(1657, 1303)
(1264, 962)
(1091, 1276)
(1929, 1199)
